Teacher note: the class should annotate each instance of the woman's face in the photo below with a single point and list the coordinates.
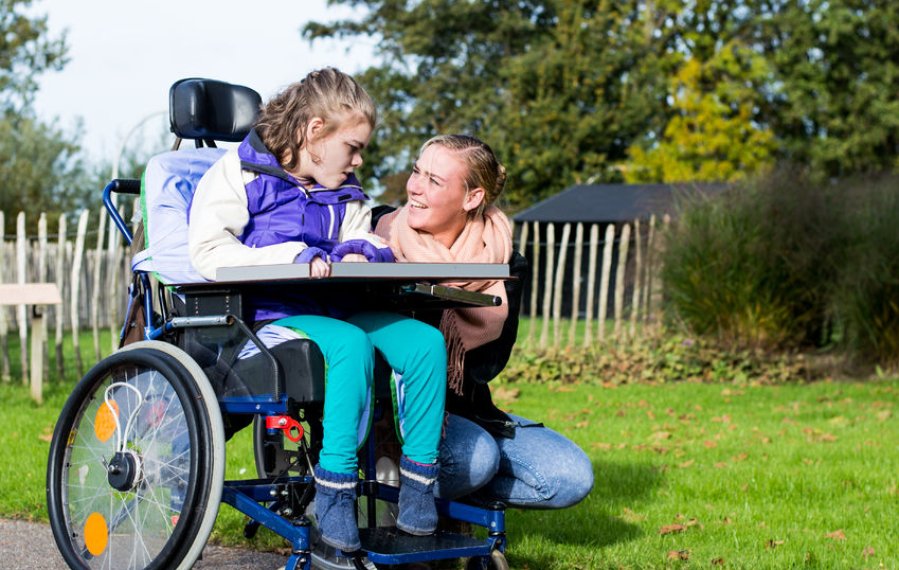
(439, 201)
(329, 159)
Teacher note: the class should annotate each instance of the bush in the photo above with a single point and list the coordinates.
(785, 262)
(866, 296)
(665, 356)
(754, 265)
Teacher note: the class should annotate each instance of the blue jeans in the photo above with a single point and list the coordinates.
(537, 469)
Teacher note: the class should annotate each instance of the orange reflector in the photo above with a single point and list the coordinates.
(104, 422)
(96, 534)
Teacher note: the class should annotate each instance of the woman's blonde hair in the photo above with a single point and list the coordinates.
(327, 93)
(484, 169)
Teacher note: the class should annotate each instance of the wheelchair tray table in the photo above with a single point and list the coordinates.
(394, 286)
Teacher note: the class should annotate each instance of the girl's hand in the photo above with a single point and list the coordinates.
(354, 258)
(319, 268)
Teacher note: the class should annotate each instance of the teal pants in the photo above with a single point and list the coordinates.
(416, 353)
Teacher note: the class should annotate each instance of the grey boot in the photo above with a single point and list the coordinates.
(335, 509)
(418, 514)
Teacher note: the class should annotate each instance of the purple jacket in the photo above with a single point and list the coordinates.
(282, 210)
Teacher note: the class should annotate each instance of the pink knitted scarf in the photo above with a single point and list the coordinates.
(485, 239)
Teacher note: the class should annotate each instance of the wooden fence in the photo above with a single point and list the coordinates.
(611, 280)
(91, 270)
(611, 283)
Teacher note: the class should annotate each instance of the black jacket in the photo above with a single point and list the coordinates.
(484, 363)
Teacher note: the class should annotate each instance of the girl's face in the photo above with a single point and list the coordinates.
(330, 158)
(439, 201)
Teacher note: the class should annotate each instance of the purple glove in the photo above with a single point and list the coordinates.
(371, 252)
(310, 253)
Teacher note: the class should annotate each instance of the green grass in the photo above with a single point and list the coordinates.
(756, 477)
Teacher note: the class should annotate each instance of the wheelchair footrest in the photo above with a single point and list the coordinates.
(390, 546)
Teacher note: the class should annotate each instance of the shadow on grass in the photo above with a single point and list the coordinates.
(599, 520)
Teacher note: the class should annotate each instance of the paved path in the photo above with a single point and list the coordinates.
(30, 546)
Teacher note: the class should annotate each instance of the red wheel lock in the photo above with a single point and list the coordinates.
(292, 429)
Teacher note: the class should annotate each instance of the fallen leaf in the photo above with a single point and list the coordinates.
(505, 394)
(710, 444)
(725, 419)
(740, 457)
(884, 415)
(600, 445)
(771, 544)
(650, 415)
(720, 465)
(672, 529)
(687, 463)
(583, 424)
(718, 561)
(661, 435)
(48, 437)
(726, 520)
(868, 552)
(630, 516)
(678, 555)
(836, 535)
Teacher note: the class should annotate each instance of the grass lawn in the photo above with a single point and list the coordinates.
(687, 475)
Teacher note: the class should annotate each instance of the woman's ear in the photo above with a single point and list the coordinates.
(473, 199)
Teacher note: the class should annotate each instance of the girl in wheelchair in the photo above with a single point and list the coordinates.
(288, 194)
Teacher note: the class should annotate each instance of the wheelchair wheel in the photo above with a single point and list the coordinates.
(136, 466)
(496, 561)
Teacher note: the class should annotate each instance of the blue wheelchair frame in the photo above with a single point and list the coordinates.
(260, 498)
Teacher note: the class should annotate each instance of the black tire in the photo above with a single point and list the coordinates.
(136, 483)
(496, 561)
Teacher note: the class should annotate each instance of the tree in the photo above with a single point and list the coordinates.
(40, 169)
(713, 135)
(25, 52)
(836, 65)
(557, 88)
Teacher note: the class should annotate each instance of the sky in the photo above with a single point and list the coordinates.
(124, 55)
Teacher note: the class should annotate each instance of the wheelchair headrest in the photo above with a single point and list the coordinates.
(206, 109)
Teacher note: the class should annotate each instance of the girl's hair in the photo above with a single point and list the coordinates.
(327, 93)
(484, 169)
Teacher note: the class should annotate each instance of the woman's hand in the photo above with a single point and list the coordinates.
(319, 268)
(354, 258)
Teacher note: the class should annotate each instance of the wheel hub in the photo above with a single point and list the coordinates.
(124, 470)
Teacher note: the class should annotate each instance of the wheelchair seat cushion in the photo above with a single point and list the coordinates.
(170, 180)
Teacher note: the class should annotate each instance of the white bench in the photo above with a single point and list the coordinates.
(36, 295)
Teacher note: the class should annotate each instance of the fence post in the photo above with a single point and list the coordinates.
(558, 283)
(658, 262)
(576, 285)
(535, 282)
(591, 284)
(60, 310)
(42, 278)
(650, 257)
(548, 282)
(76, 284)
(638, 279)
(95, 290)
(623, 244)
(604, 280)
(4, 324)
(21, 314)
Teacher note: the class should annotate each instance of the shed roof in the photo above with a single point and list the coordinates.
(610, 202)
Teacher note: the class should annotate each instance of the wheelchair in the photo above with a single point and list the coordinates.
(136, 470)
